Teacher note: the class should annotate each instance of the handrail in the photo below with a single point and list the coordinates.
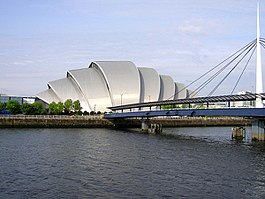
(86, 117)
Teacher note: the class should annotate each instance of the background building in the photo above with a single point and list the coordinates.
(20, 99)
(110, 83)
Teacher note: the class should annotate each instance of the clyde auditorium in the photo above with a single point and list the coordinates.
(110, 83)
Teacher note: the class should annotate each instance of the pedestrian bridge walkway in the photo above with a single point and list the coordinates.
(231, 112)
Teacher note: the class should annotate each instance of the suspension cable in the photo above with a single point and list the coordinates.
(218, 72)
(203, 75)
(229, 72)
(244, 69)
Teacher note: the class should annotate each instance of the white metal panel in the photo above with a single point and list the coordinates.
(122, 79)
(48, 96)
(93, 86)
(180, 92)
(190, 94)
(150, 84)
(167, 89)
(67, 89)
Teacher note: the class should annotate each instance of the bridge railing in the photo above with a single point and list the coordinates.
(83, 117)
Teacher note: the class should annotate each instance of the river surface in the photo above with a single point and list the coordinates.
(106, 163)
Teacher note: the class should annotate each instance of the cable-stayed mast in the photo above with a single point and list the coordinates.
(259, 89)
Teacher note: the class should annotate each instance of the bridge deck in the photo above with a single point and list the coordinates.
(197, 100)
(240, 112)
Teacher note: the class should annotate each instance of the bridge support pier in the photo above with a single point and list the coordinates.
(258, 133)
(144, 125)
(150, 128)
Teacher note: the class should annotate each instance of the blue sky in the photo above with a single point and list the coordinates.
(41, 40)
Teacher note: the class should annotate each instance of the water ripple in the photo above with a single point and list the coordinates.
(104, 163)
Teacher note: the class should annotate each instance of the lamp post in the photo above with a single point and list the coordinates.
(121, 98)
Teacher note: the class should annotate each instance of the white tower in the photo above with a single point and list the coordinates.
(259, 89)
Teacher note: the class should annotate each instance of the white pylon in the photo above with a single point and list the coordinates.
(259, 89)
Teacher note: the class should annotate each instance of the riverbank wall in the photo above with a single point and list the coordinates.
(186, 122)
(60, 121)
(54, 121)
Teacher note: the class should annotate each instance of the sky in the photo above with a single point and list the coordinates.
(41, 40)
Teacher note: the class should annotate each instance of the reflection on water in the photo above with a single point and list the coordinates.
(104, 163)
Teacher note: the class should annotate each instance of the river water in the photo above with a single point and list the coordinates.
(107, 163)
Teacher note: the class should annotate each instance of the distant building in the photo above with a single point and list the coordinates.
(243, 103)
(20, 99)
(110, 83)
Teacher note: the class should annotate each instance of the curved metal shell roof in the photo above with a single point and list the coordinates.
(150, 84)
(122, 79)
(180, 92)
(110, 83)
(67, 89)
(167, 89)
(48, 96)
(93, 86)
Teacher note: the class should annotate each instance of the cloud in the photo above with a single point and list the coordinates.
(198, 27)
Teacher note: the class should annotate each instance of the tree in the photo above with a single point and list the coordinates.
(77, 106)
(26, 109)
(60, 108)
(184, 106)
(56, 108)
(32, 109)
(13, 106)
(86, 113)
(170, 106)
(2, 106)
(68, 106)
(38, 108)
(52, 107)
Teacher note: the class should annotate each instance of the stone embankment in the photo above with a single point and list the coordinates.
(54, 121)
(61, 121)
(187, 122)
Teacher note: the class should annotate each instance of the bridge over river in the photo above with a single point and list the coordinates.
(155, 109)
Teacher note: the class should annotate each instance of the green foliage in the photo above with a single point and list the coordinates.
(60, 107)
(26, 109)
(184, 106)
(32, 109)
(86, 113)
(13, 106)
(68, 106)
(2, 106)
(65, 108)
(168, 106)
(201, 106)
(77, 106)
(56, 108)
(38, 107)
(52, 107)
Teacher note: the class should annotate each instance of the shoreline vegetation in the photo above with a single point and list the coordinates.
(97, 121)
(69, 115)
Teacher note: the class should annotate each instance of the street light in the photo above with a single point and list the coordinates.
(121, 98)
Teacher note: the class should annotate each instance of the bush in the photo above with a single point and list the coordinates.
(86, 113)
(2, 106)
(13, 106)
(56, 108)
(68, 106)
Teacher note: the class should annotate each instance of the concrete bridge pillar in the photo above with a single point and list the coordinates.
(144, 124)
(150, 128)
(258, 133)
